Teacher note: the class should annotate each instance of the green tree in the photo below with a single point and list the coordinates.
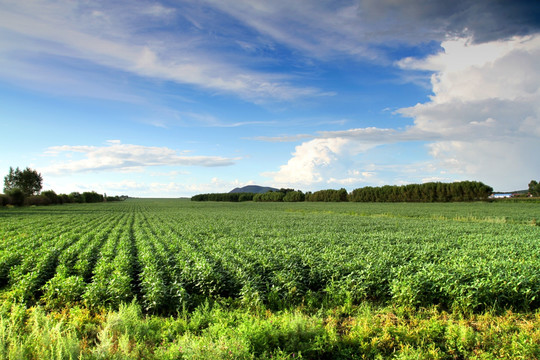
(16, 196)
(76, 197)
(51, 195)
(10, 180)
(294, 196)
(92, 197)
(534, 188)
(28, 181)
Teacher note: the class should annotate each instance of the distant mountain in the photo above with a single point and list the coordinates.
(253, 189)
(512, 192)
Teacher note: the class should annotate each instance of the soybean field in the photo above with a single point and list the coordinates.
(169, 255)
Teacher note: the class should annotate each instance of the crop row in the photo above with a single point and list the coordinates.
(171, 254)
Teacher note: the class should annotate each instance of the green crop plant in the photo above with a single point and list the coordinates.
(168, 254)
(224, 279)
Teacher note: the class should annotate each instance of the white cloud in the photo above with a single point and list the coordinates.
(316, 28)
(318, 161)
(485, 109)
(116, 37)
(137, 37)
(504, 70)
(482, 122)
(124, 157)
(369, 135)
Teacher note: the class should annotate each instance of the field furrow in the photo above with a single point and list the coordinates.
(170, 254)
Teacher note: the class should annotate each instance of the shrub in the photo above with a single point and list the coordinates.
(328, 195)
(76, 197)
(92, 197)
(51, 195)
(37, 200)
(271, 196)
(16, 196)
(4, 200)
(246, 197)
(294, 196)
(64, 199)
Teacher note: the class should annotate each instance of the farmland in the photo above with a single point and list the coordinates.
(171, 262)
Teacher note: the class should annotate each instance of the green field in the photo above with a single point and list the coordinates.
(178, 279)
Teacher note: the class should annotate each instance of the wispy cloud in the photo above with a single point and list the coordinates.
(207, 120)
(124, 157)
(198, 42)
(357, 28)
(284, 138)
(367, 135)
(115, 37)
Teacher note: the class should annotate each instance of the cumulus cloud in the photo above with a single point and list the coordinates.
(116, 156)
(503, 70)
(482, 121)
(321, 160)
(485, 107)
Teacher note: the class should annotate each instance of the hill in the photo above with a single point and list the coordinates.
(256, 189)
(512, 192)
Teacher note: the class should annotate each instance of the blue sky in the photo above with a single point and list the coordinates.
(175, 98)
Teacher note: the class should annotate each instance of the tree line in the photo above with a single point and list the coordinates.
(427, 192)
(232, 197)
(288, 195)
(23, 187)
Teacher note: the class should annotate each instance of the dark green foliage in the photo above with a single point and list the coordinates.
(245, 197)
(48, 197)
(10, 180)
(51, 195)
(115, 198)
(16, 196)
(271, 196)
(329, 195)
(231, 197)
(92, 197)
(287, 195)
(64, 199)
(294, 196)
(534, 188)
(428, 192)
(76, 197)
(4, 200)
(37, 200)
(28, 181)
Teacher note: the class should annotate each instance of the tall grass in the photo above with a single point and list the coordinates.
(214, 331)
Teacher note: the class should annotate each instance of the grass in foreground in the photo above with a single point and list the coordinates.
(218, 332)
